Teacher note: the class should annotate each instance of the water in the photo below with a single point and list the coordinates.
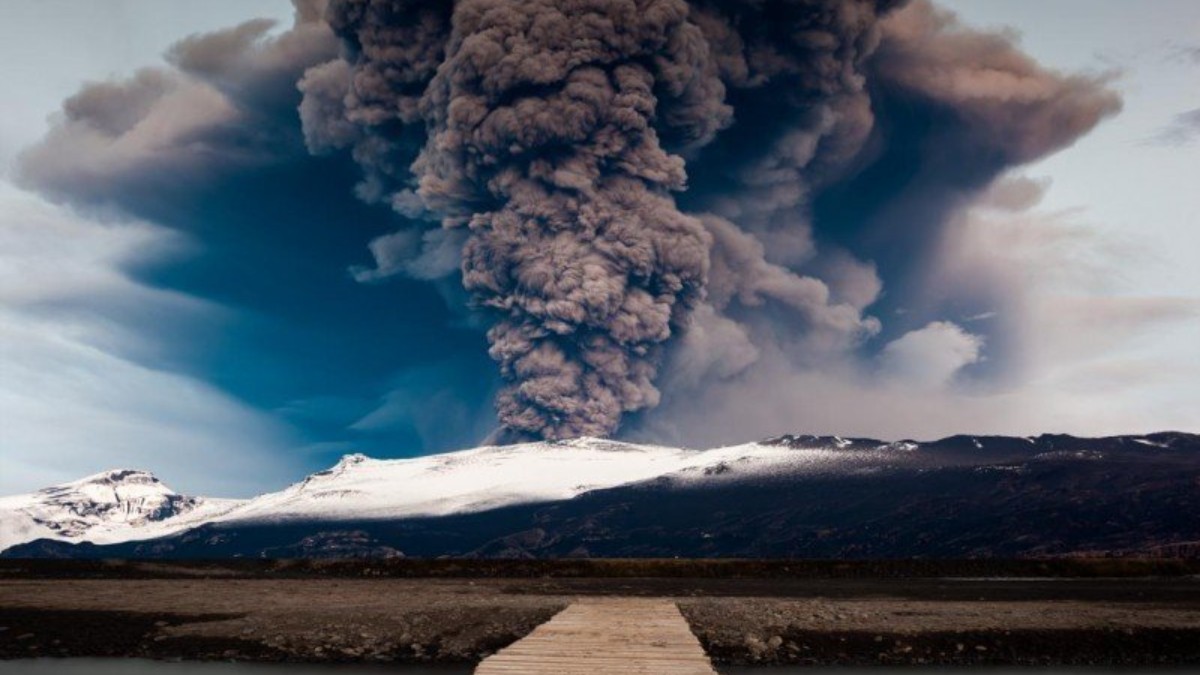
(148, 667)
(956, 670)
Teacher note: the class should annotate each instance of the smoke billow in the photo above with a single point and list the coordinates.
(794, 71)
(555, 134)
(216, 109)
(948, 111)
(658, 206)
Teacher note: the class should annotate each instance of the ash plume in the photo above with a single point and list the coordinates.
(542, 125)
(555, 134)
(660, 210)
(953, 112)
(225, 103)
(795, 76)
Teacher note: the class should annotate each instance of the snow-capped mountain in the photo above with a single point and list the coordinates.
(768, 497)
(127, 505)
(496, 476)
(108, 507)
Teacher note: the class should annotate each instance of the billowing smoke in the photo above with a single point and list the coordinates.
(555, 134)
(703, 219)
(947, 111)
(794, 71)
(543, 143)
(216, 109)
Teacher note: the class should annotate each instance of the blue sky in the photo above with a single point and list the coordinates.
(215, 333)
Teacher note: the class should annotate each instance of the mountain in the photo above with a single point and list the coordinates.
(109, 507)
(125, 505)
(791, 496)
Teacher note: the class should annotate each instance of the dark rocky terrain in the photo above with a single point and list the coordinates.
(961, 497)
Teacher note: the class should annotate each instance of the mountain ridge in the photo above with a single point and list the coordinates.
(510, 486)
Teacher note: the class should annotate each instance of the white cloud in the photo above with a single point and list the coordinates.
(930, 357)
(72, 401)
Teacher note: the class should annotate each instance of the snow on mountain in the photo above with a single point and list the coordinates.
(129, 505)
(108, 507)
(492, 477)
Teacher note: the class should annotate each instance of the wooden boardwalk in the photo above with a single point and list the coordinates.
(606, 635)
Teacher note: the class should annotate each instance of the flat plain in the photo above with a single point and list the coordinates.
(742, 613)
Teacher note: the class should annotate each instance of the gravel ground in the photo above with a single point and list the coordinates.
(277, 620)
(802, 621)
(898, 631)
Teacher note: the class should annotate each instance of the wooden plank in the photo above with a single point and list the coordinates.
(596, 636)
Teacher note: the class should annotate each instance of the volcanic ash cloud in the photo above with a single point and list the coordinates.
(682, 208)
(542, 124)
(553, 140)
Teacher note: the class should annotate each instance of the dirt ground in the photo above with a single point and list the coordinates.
(307, 620)
(901, 631)
(745, 621)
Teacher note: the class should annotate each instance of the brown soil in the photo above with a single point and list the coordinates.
(780, 620)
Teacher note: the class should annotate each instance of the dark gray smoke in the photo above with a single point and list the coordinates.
(952, 110)
(794, 71)
(227, 102)
(554, 133)
(543, 142)
(731, 192)
(614, 173)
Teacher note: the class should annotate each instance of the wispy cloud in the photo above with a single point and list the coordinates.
(1183, 129)
(1189, 53)
(74, 397)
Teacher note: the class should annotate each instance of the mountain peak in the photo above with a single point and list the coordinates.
(114, 477)
(594, 443)
(351, 459)
(102, 506)
(127, 490)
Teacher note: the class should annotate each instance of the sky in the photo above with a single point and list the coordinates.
(196, 281)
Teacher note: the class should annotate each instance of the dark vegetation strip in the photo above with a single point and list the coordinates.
(1079, 647)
